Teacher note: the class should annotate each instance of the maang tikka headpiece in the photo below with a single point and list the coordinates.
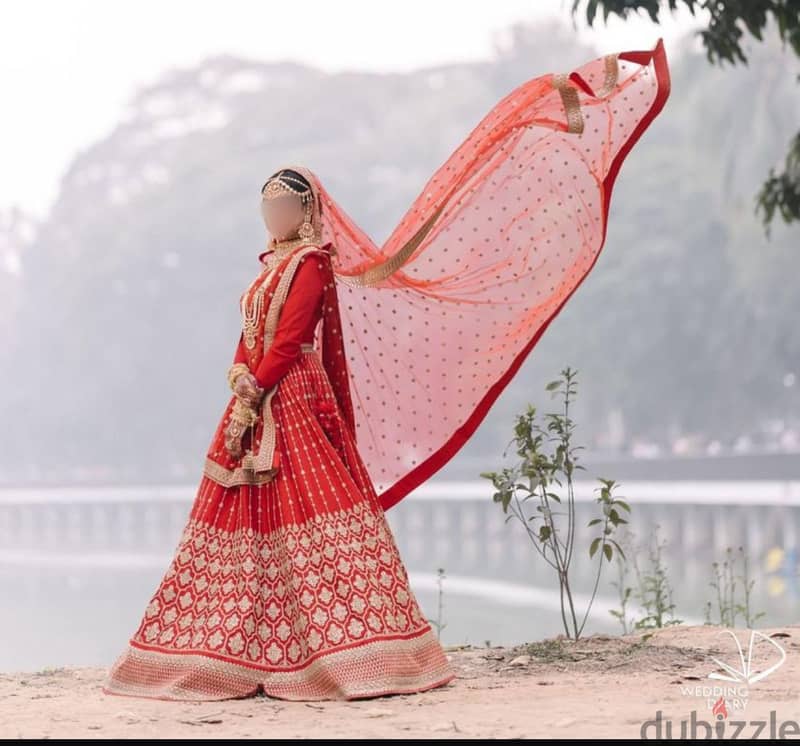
(286, 183)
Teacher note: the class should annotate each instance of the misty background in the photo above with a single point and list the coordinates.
(119, 306)
(120, 315)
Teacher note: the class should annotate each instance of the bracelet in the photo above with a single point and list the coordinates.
(243, 414)
(234, 372)
(245, 401)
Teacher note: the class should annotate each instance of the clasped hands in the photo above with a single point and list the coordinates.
(245, 410)
(247, 390)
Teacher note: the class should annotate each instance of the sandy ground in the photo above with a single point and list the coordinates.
(600, 687)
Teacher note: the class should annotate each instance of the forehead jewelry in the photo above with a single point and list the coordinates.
(282, 184)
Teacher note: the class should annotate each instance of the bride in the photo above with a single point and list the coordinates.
(359, 372)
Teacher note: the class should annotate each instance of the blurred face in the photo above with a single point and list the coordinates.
(282, 215)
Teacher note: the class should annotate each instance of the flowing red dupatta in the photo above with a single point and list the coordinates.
(435, 322)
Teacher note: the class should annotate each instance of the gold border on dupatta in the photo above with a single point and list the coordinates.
(266, 449)
(612, 75)
(245, 474)
(258, 469)
(385, 269)
(569, 96)
(569, 93)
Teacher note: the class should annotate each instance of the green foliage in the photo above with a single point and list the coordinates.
(437, 622)
(722, 40)
(547, 463)
(781, 191)
(690, 285)
(652, 589)
(625, 592)
(729, 605)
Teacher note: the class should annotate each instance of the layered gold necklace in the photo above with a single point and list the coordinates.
(252, 313)
(281, 249)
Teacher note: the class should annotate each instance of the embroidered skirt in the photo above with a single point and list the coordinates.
(294, 587)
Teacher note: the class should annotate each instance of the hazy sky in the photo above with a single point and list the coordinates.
(68, 67)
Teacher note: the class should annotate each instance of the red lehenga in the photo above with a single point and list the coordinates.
(287, 576)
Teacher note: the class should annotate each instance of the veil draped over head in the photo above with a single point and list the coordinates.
(437, 320)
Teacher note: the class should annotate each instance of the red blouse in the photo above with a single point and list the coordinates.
(297, 322)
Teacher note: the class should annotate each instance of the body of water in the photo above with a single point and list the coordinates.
(78, 565)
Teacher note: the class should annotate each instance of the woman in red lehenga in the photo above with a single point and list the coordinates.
(287, 578)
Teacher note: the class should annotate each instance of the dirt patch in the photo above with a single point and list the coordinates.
(598, 687)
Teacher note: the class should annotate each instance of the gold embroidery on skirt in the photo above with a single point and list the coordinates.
(245, 473)
(164, 672)
(351, 625)
(230, 477)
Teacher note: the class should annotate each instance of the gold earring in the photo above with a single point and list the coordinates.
(306, 230)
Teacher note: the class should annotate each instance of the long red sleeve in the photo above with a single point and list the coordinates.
(298, 318)
(240, 356)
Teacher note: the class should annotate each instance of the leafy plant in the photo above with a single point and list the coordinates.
(625, 593)
(725, 587)
(437, 623)
(654, 591)
(651, 589)
(723, 39)
(548, 461)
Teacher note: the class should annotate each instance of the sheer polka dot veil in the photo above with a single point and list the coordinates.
(436, 321)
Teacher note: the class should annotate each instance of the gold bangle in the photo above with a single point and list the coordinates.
(243, 414)
(234, 372)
